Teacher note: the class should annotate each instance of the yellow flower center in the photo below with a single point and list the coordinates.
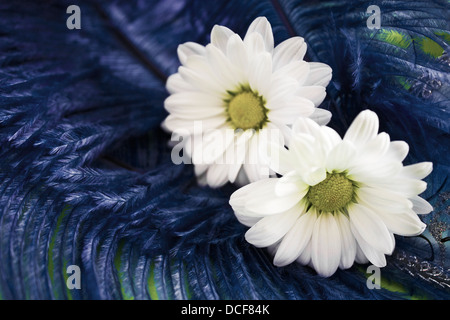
(332, 194)
(246, 109)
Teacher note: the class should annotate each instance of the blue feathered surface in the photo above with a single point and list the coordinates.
(86, 176)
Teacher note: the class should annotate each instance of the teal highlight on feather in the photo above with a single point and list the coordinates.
(53, 253)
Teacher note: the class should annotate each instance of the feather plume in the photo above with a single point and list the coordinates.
(86, 176)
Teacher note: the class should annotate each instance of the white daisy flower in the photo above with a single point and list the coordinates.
(339, 200)
(246, 87)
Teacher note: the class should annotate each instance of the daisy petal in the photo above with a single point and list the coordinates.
(210, 149)
(290, 184)
(285, 131)
(280, 88)
(271, 229)
(254, 44)
(246, 220)
(391, 202)
(220, 36)
(235, 155)
(403, 224)
(257, 153)
(261, 198)
(175, 83)
(375, 173)
(262, 26)
(295, 240)
(292, 49)
(360, 256)
(236, 52)
(193, 105)
(216, 175)
(363, 128)
(187, 49)
(418, 170)
(225, 72)
(306, 126)
(341, 156)
(200, 81)
(252, 171)
(260, 73)
(376, 148)
(398, 150)
(176, 124)
(280, 160)
(292, 109)
(251, 164)
(366, 252)
(298, 70)
(348, 242)
(407, 187)
(302, 146)
(370, 227)
(305, 255)
(332, 136)
(420, 205)
(320, 74)
(325, 137)
(316, 94)
(237, 202)
(326, 245)
(314, 176)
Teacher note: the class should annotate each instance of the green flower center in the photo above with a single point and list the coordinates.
(332, 194)
(246, 109)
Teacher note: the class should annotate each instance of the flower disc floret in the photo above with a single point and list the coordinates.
(246, 110)
(332, 194)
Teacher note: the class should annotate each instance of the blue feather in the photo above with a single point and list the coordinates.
(86, 177)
